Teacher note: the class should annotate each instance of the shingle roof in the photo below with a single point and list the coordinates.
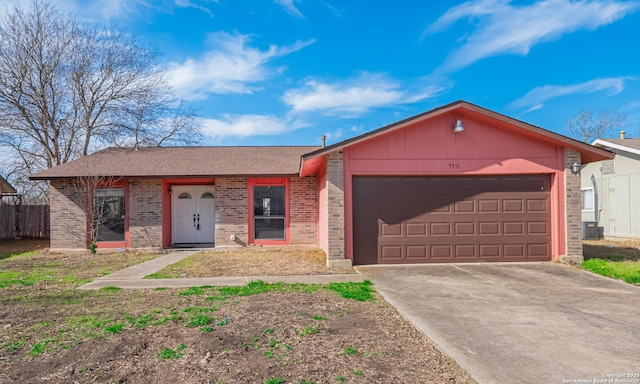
(629, 143)
(183, 162)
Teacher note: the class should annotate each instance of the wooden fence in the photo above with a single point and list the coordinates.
(24, 221)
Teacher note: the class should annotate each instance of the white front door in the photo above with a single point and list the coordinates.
(192, 214)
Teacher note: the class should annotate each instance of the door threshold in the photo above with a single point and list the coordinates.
(192, 246)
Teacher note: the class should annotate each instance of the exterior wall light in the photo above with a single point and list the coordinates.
(575, 168)
(458, 127)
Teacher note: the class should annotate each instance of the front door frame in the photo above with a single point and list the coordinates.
(203, 225)
(167, 185)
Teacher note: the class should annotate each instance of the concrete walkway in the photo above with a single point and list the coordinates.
(133, 277)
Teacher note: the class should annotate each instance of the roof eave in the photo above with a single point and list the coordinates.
(4, 184)
(210, 176)
(608, 144)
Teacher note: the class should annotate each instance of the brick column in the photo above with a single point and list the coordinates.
(573, 207)
(145, 213)
(335, 207)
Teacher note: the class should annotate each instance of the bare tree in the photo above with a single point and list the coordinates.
(104, 210)
(588, 126)
(68, 89)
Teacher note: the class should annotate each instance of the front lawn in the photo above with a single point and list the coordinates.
(250, 261)
(618, 259)
(257, 333)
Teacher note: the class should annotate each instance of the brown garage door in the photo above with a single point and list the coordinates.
(451, 219)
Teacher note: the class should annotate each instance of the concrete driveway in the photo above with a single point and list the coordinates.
(521, 323)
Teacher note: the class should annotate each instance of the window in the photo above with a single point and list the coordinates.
(109, 214)
(587, 199)
(184, 195)
(207, 195)
(269, 213)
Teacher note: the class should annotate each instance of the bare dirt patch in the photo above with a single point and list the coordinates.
(12, 247)
(253, 261)
(51, 332)
(612, 249)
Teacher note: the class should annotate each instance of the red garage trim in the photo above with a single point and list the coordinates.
(431, 148)
(276, 182)
(166, 203)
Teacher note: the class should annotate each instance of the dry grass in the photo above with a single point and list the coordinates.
(612, 249)
(51, 332)
(251, 262)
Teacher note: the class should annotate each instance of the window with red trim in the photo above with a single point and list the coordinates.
(109, 214)
(269, 213)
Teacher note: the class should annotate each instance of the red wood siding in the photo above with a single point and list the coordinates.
(430, 147)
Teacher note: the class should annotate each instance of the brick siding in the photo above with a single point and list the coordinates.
(144, 209)
(68, 218)
(573, 207)
(232, 211)
(303, 210)
(145, 213)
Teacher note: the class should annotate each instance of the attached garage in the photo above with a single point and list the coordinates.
(451, 219)
(458, 183)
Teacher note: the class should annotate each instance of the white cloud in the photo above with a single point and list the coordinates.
(506, 29)
(339, 133)
(230, 66)
(247, 125)
(356, 96)
(535, 98)
(290, 7)
(196, 5)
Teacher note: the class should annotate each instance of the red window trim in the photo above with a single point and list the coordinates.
(275, 182)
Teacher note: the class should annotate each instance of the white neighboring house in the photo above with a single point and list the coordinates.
(611, 190)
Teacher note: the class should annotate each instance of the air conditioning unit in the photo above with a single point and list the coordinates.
(590, 230)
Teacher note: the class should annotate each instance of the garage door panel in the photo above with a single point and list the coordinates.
(512, 206)
(390, 229)
(537, 228)
(462, 229)
(441, 208)
(467, 251)
(416, 229)
(485, 205)
(467, 206)
(391, 252)
(513, 250)
(440, 252)
(537, 205)
(489, 228)
(440, 229)
(450, 219)
(513, 228)
(489, 250)
(538, 250)
(416, 251)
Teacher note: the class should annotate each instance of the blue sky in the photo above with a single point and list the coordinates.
(285, 72)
